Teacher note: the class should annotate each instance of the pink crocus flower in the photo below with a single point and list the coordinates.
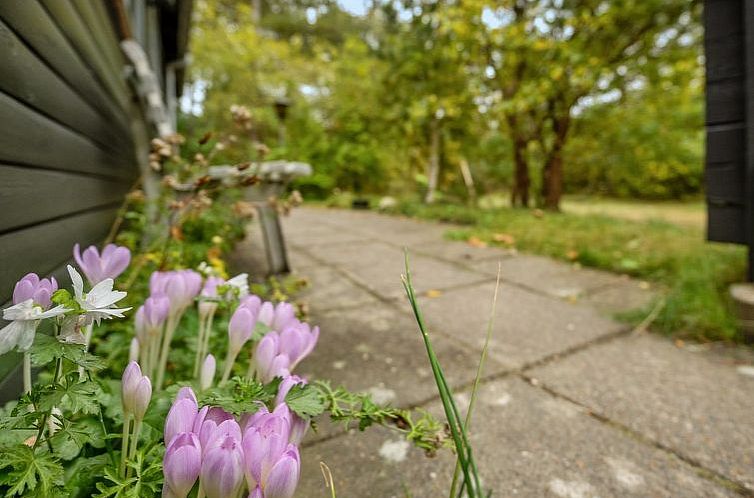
(222, 469)
(181, 286)
(136, 391)
(31, 303)
(40, 291)
(278, 353)
(97, 267)
(181, 465)
(271, 463)
(270, 362)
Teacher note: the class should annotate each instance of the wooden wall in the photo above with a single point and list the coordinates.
(67, 154)
(729, 53)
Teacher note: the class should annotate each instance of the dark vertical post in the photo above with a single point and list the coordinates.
(748, 8)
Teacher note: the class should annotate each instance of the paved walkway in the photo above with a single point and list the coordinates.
(573, 405)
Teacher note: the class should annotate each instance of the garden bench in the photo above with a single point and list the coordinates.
(273, 177)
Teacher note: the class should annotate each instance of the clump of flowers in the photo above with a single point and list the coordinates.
(209, 446)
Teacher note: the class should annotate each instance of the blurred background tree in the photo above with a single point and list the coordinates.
(532, 98)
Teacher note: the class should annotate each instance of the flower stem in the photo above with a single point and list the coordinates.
(124, 446)
(27, 372)
(168, 336)
(134, 442)
(229, 360)
(87, 340)
(208, 333)
(199, 343)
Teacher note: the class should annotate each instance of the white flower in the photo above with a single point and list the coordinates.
(25, 317)
(97, 303)
(241, 283)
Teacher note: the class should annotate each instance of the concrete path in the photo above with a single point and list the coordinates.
(573, 405)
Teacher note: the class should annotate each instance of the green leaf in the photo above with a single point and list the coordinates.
(72, 395)
(30, 471)
(46, 349)
(305, 401)
(240, 395)
(71, 437)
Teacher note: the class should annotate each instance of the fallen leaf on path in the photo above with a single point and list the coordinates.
(434, 293)
(474, 241)
(504, 238)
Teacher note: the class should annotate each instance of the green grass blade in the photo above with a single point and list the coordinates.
(479, 370)
(460, 440)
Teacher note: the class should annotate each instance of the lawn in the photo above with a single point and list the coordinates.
(659, 242)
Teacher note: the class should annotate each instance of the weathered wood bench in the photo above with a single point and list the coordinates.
(273, 178)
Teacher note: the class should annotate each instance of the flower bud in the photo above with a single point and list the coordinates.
(182, 463)
(131, 377)
(285, 315)
(222, 469)
(40, 291)
(207, 374)
(133, 350)
(266, 313)
(283, 478)
(180, 418)
(240, 328)
(141, 397)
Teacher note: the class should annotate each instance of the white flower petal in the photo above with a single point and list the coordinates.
(78, 283)
(21, 311)
(56, 311)
(102, 295)
(17, 334)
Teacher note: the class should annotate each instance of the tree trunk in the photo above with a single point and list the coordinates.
(552, 173)
(521, 180)
(433, 172)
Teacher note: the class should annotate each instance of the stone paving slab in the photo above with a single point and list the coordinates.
(379, 266)
(528, 327)
(329, 289)
(698, 404)
(379, 350)
(554, 278)
(527, 443)
(621, 297)
(463, 253)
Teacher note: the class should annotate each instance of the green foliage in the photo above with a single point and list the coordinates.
(240, 395)
(304, 401)
(31, 472)
(347, 407)
(622, 80)
(47, 349)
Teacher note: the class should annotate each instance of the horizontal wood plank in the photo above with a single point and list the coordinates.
(31, 138)
(75, 29)
(30, 80)
(45, 247)
(34, 25)
(32, 196)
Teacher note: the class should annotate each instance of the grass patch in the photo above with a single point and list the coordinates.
(694, 273)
